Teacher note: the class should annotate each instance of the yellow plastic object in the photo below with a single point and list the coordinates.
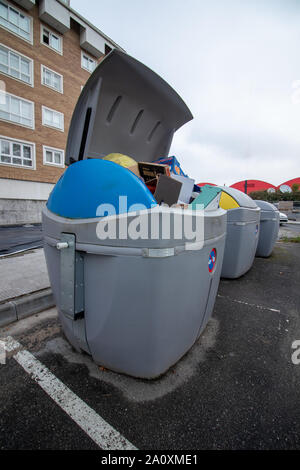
(120, 159)
(227, 202)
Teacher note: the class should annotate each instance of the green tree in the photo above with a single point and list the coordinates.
(276, 196)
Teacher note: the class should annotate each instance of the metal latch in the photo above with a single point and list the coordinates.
(71, 278)
(62, 245)
(158, 252)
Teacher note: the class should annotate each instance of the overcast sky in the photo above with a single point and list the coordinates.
(236, 63)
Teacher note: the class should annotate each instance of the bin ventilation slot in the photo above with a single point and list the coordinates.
(113, 109)
(135, 123)
(153, 131)
(85, 133)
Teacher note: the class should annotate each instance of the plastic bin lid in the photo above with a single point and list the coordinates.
(124, 108)
(89, 188)
(207, 194)
(242, 199)
(266, 206)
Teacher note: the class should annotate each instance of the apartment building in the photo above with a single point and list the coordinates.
(47, 52)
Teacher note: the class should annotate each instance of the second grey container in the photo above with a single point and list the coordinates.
(269, 227)
(242, 235)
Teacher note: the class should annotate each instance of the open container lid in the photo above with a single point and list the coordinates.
(124, 108)
(242, 199)
(207, 194)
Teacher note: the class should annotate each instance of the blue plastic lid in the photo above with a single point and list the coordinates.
(87, 184)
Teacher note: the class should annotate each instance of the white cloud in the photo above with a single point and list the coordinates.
(236, 64)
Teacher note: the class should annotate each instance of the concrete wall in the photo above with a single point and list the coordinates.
(19, 212)
(21, 202)
(55, 14)
(92, 42)
(285, 205)
(18, 189)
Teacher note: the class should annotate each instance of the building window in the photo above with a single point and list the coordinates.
(16, 110)
(52, 118)
(16, 65)
(52, 40)
(16, 153)
(53, 156)
(87, 62)
(52, 79)
(107, 49)
(15, 21)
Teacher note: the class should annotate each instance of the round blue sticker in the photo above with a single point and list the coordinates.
(212, 260)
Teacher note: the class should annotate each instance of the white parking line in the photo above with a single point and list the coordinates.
(104, 435)
(249, 305)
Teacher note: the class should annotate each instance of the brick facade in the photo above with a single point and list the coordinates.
(74, 76)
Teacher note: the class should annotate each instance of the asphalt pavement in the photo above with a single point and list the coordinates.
(20, 237)
(237, 388)
(289, 230)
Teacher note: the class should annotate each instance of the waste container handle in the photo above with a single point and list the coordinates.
(158, 252)
(98, 249)
(145, 252)
(62, 245)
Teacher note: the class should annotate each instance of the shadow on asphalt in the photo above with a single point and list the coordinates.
(237, 388)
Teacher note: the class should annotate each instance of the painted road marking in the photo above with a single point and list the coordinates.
(249, 305)
(102, 433)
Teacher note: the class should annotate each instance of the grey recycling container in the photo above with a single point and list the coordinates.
(243, 224)
(269, 227)
(243, 220)
(135, 305)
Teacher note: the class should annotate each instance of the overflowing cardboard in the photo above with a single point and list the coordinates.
(173, 164)
(186, 189)
(167, 190)
(166, 187)
(181, 206)
(135, 169)
(151, 171)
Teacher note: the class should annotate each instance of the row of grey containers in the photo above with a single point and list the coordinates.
(138, 306)
(252, 230)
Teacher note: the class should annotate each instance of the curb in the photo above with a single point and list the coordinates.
(21, 307)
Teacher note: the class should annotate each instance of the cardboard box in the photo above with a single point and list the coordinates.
(181, 206)
(135, 169)
(167, 190)
(150, 171)
(186, 189)
(173, 164)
